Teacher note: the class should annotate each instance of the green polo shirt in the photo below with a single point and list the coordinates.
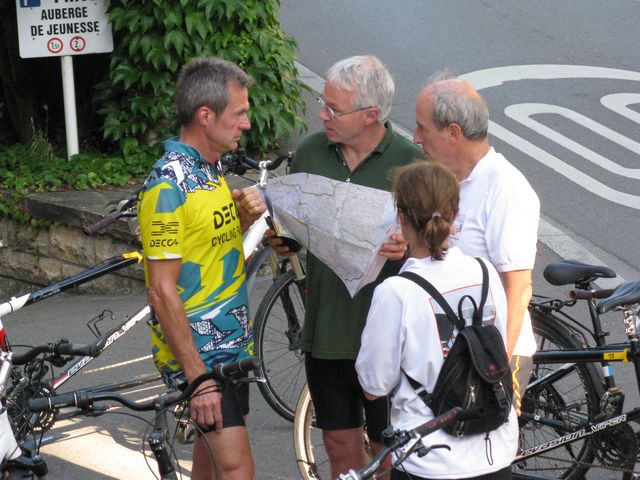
(333, 320)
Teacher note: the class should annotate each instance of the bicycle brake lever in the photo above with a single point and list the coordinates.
(94, 411)
(422, 451)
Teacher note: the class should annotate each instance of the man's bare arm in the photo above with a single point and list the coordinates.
(518, 287)
(164, 298)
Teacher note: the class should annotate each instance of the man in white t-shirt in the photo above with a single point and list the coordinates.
(499, 211)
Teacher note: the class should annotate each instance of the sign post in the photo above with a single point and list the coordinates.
(62, 28)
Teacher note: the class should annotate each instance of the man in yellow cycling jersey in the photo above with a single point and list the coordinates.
(191, 227)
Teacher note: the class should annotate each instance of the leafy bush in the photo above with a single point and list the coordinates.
(154, 39)
(37, 167)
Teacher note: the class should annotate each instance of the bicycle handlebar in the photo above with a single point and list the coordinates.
(124, 207)
(590, 294)
(84, 399)
(402, 437)
(62, 347)
(237, 161)
(104, 222)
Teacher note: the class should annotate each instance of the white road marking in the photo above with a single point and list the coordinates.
(494, 77)
(619, 103)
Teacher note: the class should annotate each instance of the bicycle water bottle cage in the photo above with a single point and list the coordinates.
(568, 272)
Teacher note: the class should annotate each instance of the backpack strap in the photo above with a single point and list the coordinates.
(477, 316)
(453, 318)
(436, 295)
(420, 390)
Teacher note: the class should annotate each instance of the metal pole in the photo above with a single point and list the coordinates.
(69, 95)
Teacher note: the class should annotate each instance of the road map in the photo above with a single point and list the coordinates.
(341, 223)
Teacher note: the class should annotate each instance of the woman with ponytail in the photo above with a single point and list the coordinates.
(408, 334)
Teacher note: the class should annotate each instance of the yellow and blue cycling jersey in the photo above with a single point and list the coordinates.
(186, 211)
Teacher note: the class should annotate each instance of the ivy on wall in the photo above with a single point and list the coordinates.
(155, 38)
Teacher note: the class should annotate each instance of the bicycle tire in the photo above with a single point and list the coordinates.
(311, 458)
(572, 398)
(277, 328)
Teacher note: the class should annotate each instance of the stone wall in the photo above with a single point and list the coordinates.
(30, 259)
(34, 258)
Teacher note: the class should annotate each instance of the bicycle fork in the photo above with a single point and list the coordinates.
(159, 443)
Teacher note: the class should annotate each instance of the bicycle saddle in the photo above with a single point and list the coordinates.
(569, 272)
(627, 293)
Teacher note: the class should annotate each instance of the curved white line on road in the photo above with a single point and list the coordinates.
(493, 77)
(619, 103)
(562, 168)
(522, 113)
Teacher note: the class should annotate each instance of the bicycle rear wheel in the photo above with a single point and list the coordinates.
(559, 399)
(311, 458)
(277, 330)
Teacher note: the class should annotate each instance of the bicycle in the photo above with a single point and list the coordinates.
(37, 377)
(159, 440)
(572, 414)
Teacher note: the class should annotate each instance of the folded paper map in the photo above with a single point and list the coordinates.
(341, 223)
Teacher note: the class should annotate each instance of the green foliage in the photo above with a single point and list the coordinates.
(37, 167)
(154, 39)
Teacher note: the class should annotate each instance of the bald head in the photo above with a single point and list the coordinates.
(454, 100)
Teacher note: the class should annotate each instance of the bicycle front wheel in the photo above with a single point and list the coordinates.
(560, 398)
(311, 458)
(277, 330)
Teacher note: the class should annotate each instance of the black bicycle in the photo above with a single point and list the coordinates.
(92, 403)
(573, 419)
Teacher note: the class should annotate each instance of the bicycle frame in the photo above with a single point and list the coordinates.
(622, 354)
(111, 336)
(110, 265)
(554, 308)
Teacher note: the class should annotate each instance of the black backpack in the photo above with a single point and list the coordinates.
(476, 372)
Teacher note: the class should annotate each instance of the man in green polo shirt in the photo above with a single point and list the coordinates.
(357, 145)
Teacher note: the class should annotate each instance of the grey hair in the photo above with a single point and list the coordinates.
(368, 78)
(454, 105)
(204, 82)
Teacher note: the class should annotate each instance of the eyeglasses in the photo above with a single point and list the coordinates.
(332, 112)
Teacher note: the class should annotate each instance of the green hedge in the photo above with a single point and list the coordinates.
(155, 38)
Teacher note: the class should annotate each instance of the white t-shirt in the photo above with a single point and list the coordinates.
(498, 220)
(402, 331)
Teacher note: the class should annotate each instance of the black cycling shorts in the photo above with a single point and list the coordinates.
(235, 405)
(338, 399)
